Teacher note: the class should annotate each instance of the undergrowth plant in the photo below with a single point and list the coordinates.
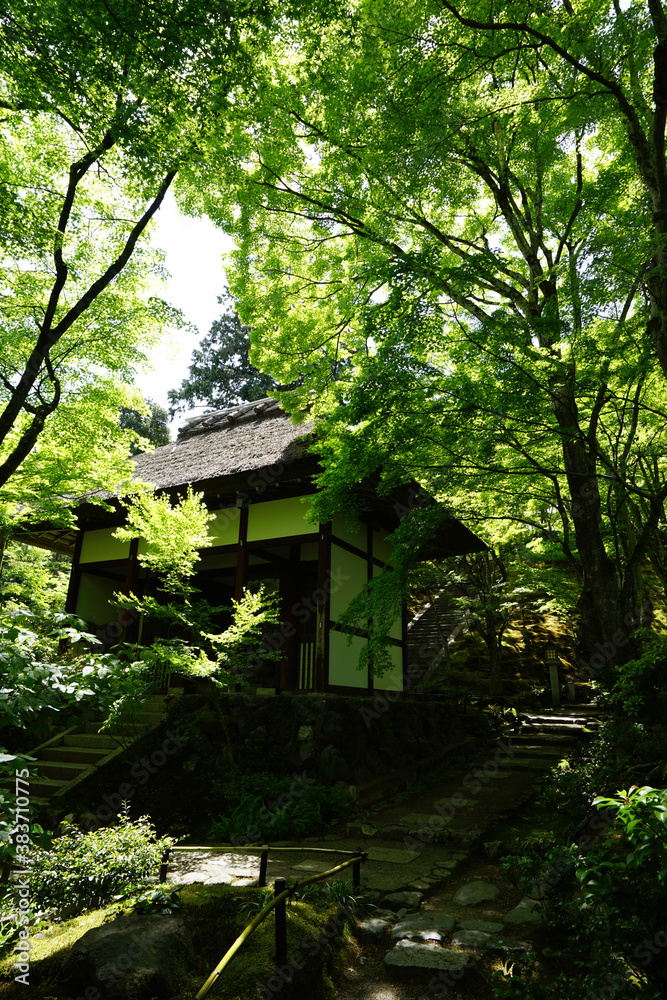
(337, 891)
(594, 768)
(283, 809)
(84, 869)
(605, 903)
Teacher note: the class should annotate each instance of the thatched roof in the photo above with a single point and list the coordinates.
(246, 449)
(228, 443)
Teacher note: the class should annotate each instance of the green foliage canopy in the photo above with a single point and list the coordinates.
(170, 533)
(450, 234)
(103, 104)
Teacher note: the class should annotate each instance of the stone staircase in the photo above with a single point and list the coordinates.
(433, 628)
(430, 926)
(74, 754)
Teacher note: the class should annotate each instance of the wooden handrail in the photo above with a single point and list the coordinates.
(258, 848)
(359, 858)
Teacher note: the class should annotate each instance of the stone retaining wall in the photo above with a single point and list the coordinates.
(352, 740)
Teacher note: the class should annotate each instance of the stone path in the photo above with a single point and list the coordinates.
(440, 897)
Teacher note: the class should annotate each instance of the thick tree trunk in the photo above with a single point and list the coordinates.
(602, 636)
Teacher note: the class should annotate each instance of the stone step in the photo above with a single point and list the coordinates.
(532, 762)
(98, 741)
(413, 956)
(546, 739)
(559, 729)
(124, 729)
(537, 750)
(45, 788)
(571, 718)
(36, 801)
(61, 770)
(149, 718)
(74, 754)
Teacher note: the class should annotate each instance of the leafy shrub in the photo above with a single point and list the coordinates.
(594, 769)
(37, 835)
(640, 687)
(86, 868)
(38, 682)
(606, 904)
(163, 899)
(284, 808)
(541, 866)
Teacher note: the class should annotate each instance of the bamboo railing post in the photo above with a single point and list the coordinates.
(163, 865)
(281, 924)
(264, 860)
(278, 903)
(356, 871)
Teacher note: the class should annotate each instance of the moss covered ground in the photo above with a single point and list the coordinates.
(465, 671)
(214, 915)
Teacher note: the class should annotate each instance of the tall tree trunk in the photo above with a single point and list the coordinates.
(601, 619)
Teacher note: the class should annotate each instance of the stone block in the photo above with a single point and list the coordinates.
(471, 939)
(332, 766)
(526, 912)
(416, 957)
(373, 927)
(475, 892)
(307, 709)
(424, 927)
(399, 900)
(488, 926)
(331, 729)
(139, 955)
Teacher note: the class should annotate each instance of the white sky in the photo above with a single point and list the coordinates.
(194, 249)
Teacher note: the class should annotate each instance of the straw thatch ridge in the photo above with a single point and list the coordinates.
(238, 440)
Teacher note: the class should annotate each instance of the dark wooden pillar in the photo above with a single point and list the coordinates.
(289, 585)
(75, 577)
(323, 607)
(128, 618)
(369, 577)
(242, 555)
